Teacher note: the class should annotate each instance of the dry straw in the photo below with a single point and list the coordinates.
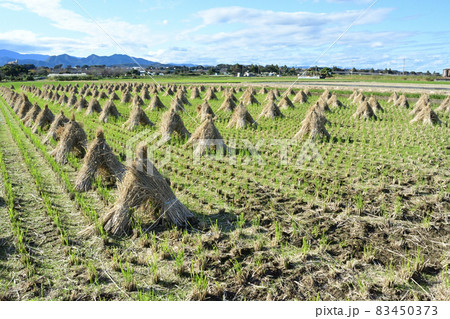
(285, 103)
(364, 111)
(143, 187)
(426, 116)
(155, 103)
(313, 126)
(31, 116)
(137, 118)
(300, 97)
(171, 123)
(241, 118)
(402, 101)
(93, 107)
(73, 139)
(204, 110)
(375, 105)
(206, 137)
(101, 160)
(228, 105)
(445, 105)
(271, 111)
(393, 98)
(334, 103)
(43, 120)
(109, 110)
(56, 128)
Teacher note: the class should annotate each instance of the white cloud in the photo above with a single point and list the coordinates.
(18, 36)
(377, 44)
(257, 17)
(98, 34)
(11, 6)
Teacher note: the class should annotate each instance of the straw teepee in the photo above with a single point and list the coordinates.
(56, 128)
(93, 107)
(271, 111)
(126, 97)
(230, 94)
(210, 95)
(137, 101)
(114, 97)
(313, 127)
(364, 111)
(205, 110)
(99, 159)
(402, 101)
(206, 137)
(21, 101)
(109, 110)
(334, 103)
(102, 95)
(285, 103)
(195, 93)
(393, 98)
(81, 104)
(270, 96)
(306, 90)
(24, 107)
(63, 99)
(43, 120)
(177, 105)
(359, 98)
(375, 105)
(353, 95)
(72, 101)
(445, 105)
(137, 117)
(171, 123)
(182, 97)
(73, 138)
(423, 101)
(228, 105)
(326, 95)
(248, 98)
(276, 93)
(323, 104)
(145, 95)
(426, 116)
(241, 118)
(168, 92)
(31, 116)
(155, 103)
(300, 97)
(143, 187)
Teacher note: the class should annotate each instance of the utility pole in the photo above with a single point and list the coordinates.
(403, 66)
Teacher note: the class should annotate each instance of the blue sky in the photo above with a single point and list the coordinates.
(292, 32)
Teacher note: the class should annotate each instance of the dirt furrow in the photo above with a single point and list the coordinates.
(73, 276)
(53, 271)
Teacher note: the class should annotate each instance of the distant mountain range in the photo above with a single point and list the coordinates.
(65, 59)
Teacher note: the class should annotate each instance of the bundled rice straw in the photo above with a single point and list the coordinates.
(143, 185)
(73, 138)
(99, 159)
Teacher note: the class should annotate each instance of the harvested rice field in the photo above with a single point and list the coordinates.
(138, 191)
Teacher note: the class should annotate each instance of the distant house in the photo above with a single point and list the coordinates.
(13, 62)
(52, 75)
(446, 73)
